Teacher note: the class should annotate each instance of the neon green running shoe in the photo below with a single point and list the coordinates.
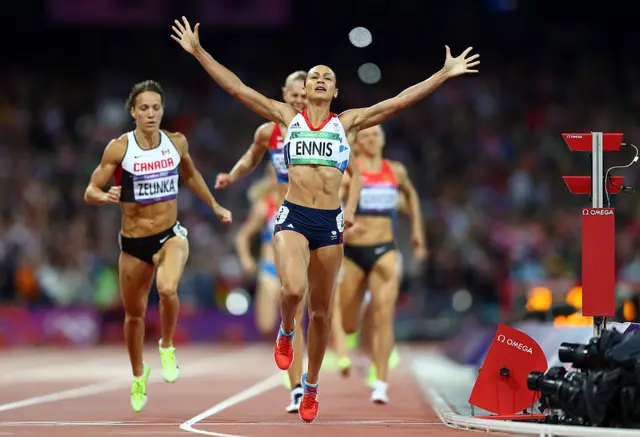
(394, 361)
(394, 358)
(344, 364)
(372, 376)
(330, 361)
(139, 390)
(352, 340)
(170, 369)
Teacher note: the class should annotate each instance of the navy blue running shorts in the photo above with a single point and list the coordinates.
(321, 227)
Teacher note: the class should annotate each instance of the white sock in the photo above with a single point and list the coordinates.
(164, 348)
(380, 385)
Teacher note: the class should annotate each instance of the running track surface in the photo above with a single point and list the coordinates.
(222, 391)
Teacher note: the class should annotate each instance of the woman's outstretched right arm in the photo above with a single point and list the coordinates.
(270, 109)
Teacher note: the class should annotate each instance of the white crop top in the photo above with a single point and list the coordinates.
(149, 175)
(326, 145)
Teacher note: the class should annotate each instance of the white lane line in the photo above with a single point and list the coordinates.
(199, 368)
(255, 390)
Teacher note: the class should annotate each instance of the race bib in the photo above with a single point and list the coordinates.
(156, 187)
(378, 198)
(279, 164)
(281, 215)
(340, 222)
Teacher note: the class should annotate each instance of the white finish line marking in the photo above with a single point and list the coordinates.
(255, 390)
(206, 424)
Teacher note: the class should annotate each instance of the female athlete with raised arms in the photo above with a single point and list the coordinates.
(145, 164)
(310, 223)
(370, 253)
(268, 137)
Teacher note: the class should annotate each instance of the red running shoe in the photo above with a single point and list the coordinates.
(309, 406)
(283, 350)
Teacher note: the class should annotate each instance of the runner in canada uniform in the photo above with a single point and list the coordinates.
(146, 177)
(308, 242)
(145, 166)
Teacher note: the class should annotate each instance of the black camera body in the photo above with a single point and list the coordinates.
(601, 389)
(560, 389)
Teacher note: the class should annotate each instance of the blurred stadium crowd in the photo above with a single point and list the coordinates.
(485, 154)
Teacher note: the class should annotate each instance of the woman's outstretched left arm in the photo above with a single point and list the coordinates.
(355, 120)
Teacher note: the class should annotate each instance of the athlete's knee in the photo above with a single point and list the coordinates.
(293, 289)
(349, 326)
(167, 289)
(350, 323)
(135, 306)
(134, 318)
(320, 310)
(321, 316)
(383, 312)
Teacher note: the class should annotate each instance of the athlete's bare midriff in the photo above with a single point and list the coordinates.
(144, 220)
(369, 231)
(314, 186)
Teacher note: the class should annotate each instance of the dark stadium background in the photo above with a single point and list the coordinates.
(485, 152)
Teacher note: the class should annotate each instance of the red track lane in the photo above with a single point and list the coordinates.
(345, 408)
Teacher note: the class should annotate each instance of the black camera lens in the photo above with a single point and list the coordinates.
(582, 356)
(545, 382)
(533, 381)
(568, 352)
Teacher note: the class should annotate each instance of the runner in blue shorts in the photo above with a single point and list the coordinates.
(267, 137)
(309, 226)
